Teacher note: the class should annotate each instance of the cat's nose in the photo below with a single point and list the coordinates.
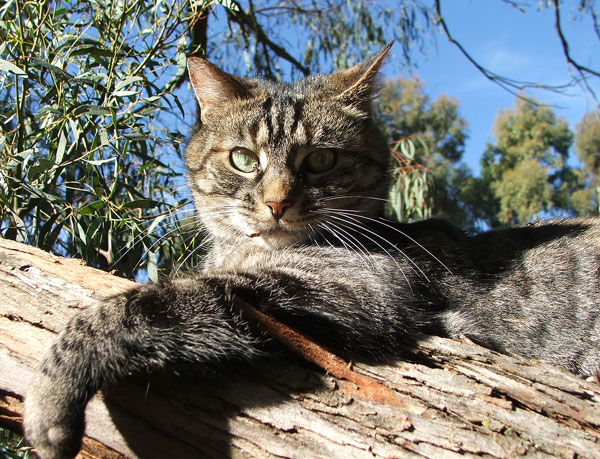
(278, 208)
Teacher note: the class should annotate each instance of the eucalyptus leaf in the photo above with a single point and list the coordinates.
(229, 4)
(43, 165)
(103, 136)
(152, 266)
(124, 93)
(60, 149)
(90, 50)
(91, 208)
(7, 66)
(35, 62)
(99, 162)
(140, 204)
(128, 81)
(91, 110)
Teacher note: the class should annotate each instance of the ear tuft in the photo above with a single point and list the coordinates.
(213, 86)
(359, 84)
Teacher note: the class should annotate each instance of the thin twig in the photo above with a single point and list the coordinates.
(249, 20)
(512, 86)
(582, 70)
(300, 344)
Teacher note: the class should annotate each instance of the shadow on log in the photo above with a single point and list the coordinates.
(457, 398)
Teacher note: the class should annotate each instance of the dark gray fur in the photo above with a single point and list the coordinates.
(330, 266)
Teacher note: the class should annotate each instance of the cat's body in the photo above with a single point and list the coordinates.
(289, 181)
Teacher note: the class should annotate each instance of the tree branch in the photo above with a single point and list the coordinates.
(248, 20)
(581, 69)
(511, 85)
(366, 387)
(455, 397)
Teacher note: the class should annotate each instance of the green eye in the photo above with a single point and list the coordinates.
(244, 160)
(321, 160)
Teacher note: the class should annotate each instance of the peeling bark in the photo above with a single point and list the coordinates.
(455, 398)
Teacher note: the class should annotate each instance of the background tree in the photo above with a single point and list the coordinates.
(587, 146)
(527, 167)
(439, 134)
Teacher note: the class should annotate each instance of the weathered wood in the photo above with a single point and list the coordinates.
(457, 398)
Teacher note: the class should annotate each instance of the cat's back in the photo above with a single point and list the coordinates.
(567, 246)
(535, 291)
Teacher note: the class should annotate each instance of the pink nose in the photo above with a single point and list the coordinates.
(278, 208)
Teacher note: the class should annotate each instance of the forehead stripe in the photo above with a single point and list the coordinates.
(298, 107)
(263, 134)
(274, 121)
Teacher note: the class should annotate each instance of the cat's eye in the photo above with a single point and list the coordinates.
(321, 160)
(244, 160)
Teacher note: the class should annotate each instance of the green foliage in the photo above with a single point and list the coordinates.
(12, 446)
(448, 187)
(83, 166)
(523, 192)
(92, 123)
(530, 130)
(527, 168)
(585, 201)
(587, 142)
(405, 110)
(409, 197)
(326, 33)
(587, 147)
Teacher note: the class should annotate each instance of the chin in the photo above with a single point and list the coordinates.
(278, 239)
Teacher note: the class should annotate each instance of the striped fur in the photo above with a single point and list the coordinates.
(283, 124)
(289, 179)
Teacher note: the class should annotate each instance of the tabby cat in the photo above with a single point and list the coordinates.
(290, 181)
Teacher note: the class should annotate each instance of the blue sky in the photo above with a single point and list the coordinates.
(520, 46)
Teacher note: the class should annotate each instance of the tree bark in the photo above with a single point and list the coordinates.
(454, 397)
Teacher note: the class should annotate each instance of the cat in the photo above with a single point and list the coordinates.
(290, 181)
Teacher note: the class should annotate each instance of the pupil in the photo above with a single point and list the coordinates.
(320, 161)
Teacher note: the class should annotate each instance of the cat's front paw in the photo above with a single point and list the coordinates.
(52, 426)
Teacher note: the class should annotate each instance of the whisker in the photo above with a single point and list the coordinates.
(344, 210)
(313, 235)
(163, 237)
(384, 249)
(355, 247)
(324, 236)
(175, 219)
(344, 240)
(382, 221)
(352, 221)
(190, 254)
(160, 225)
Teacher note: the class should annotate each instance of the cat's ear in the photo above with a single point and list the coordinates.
(213, 86)
(359, 84)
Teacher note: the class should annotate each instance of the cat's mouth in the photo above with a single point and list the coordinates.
(276, 237)
(275, 232)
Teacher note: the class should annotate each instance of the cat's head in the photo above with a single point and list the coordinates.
(277, 163)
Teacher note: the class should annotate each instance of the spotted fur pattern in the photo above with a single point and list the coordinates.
(289, 179)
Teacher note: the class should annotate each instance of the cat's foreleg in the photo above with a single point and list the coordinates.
(147, 328)
(195, 321)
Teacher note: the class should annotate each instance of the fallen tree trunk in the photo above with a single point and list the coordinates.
(455, 398)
